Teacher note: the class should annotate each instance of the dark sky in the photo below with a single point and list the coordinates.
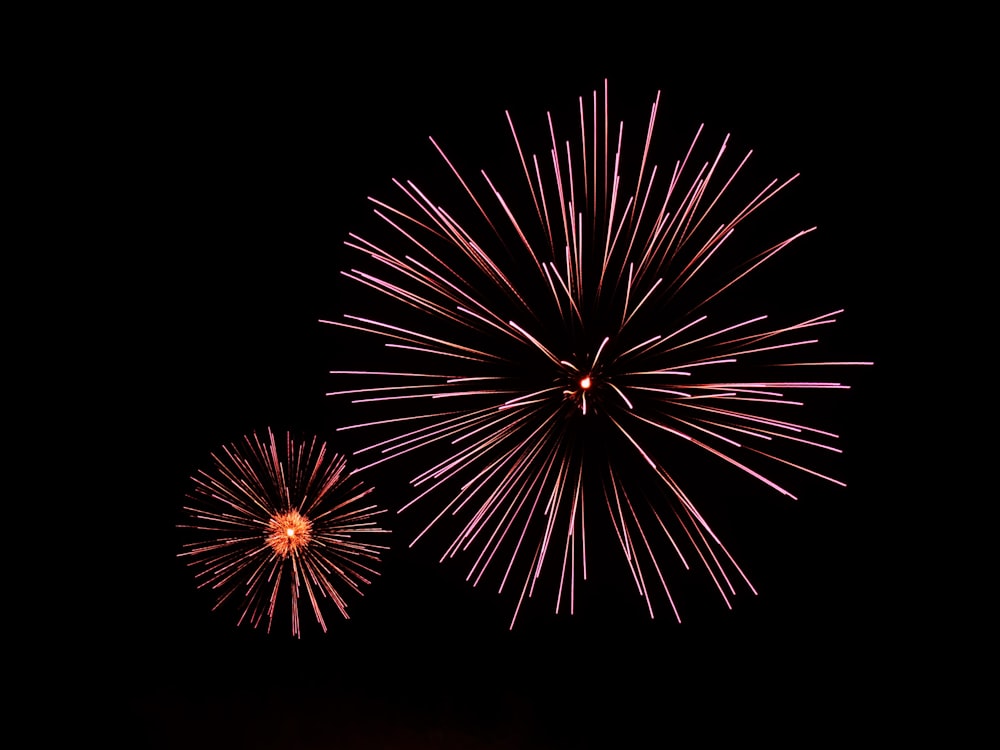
(249, 152)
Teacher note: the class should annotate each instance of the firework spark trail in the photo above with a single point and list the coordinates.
(272, 515)
(568, 351)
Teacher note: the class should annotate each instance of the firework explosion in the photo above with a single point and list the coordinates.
(280, 516)
(562, 353)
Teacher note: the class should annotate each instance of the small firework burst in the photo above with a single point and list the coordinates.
(564, 349)
(276, 516)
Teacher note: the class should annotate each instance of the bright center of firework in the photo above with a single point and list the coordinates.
(585, 382)
(288, 533)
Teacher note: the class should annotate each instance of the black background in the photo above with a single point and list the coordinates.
(243, 151)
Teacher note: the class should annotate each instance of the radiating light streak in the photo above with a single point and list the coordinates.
(585, 320)
(278, 520)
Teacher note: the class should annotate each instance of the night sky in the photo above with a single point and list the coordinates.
(249, 153)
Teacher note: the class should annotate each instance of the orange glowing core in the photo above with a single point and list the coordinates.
(585, 382)
(288, 533)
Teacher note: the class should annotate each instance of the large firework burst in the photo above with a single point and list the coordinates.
(562, 352)
(274, 516)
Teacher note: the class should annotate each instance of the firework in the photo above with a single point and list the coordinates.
(280, 516)
(557, 355)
